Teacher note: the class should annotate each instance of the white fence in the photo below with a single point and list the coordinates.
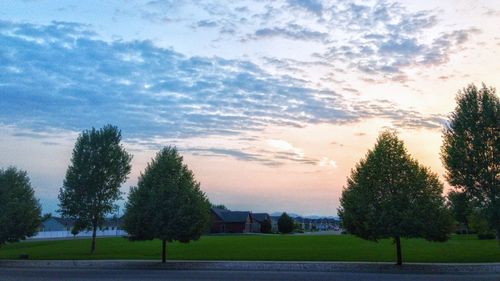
(67, 234)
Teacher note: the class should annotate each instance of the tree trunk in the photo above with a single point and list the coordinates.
(398, 251)
(92, 247)
(163, 251)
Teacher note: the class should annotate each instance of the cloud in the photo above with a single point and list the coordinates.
(441, 48)
(286, 148)
(491, 12)
(313, 6)
(401, 47)
(378, 38)
(385, 39)
(234, 153)
(291, 31)
(206, 23)
(265, 157)
(62, 76)
(326, 162)
(390, 56)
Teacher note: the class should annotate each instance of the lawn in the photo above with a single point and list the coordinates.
(265, 247)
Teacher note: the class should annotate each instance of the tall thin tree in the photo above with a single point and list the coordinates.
(471, 150)
(99, 165)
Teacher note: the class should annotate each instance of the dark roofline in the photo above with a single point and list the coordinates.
(260, 216)
(228, 216)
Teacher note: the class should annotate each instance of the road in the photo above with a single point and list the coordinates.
(38, 274)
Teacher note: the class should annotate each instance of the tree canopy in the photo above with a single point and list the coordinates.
(19, 209)
(470, 151)
(285, 223)
(167, 203)
(99, 165)
(390, 195)
(219, 206)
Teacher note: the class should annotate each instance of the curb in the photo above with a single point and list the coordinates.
(259, 266)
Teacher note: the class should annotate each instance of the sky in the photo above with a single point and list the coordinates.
(271, 103)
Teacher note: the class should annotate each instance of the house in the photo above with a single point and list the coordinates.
(56, 224)
(258, 218)
(225, 221)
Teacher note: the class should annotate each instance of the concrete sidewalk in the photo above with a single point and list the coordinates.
(424, 268)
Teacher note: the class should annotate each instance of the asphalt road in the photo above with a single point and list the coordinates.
(32, 274)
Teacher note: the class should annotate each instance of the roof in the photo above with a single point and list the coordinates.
(231, 216)
(260, 217)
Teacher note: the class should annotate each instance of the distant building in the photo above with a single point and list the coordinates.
(226, 221)
(56, 224)
(55, 227)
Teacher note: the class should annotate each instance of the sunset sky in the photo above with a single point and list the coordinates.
(271, 103)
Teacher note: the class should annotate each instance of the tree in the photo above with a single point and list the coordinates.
(285, 223)
(99, 165)
(390, 195)
(266, 226)
(460, 208)
(470, 151)
(167, 203)
(219, 206)
(19, 209)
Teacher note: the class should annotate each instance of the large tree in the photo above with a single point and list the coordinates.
(19, 209)
(167, 203)
(390, 195)
(470, 151)
(99, 165)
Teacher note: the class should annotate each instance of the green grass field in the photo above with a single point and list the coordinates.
(265, 247)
